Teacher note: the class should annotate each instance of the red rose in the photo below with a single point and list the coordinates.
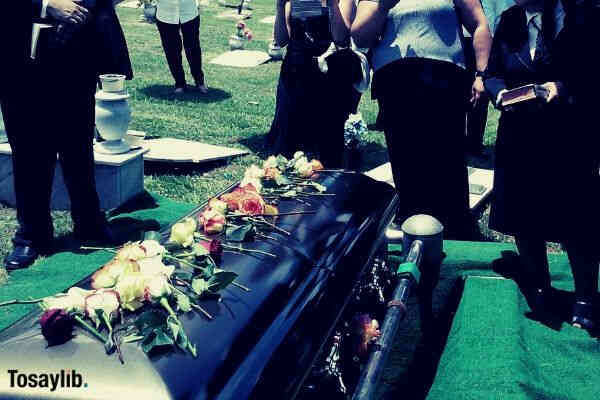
(214, 247)
(367, 330)
(233, 198)
(252, 204)
(57, 326)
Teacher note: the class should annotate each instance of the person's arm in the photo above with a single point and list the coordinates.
(474, 20)
(369, 22)
(67, 11)
(281, 29)
(343, 12)
(494, 80)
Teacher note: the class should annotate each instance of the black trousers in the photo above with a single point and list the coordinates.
(424, 104)
(172, 45)
(53, 118)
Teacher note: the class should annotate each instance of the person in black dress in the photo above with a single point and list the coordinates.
(546, 179)
(312, 106)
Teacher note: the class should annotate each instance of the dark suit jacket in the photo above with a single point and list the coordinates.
(571, 58)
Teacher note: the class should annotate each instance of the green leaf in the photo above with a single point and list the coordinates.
(240, 233)
(221, 280)
(183, 302)
(200, 286)
(319, 187)
(172, 247)
(174, 327)
(162, 338)
(152, 235)
(131, 338)
(149, 320)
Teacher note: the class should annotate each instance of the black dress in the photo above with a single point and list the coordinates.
(311, 108)
(546, 175)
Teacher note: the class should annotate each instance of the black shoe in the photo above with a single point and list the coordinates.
(99, 234)
(21, 257)
(583, 315)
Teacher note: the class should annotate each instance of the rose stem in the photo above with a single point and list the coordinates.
(272, 215)
(11, 302)
(90, 328)
(271, 225)
(111, 249)
(192, 304)
(165, 303)
(244, 288)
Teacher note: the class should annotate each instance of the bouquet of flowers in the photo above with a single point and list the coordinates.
(243, 32)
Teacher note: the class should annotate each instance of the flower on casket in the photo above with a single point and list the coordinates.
(303, 167)
(212, 221)
(270, 162)
(251, 203)
(367, 329)
(57, 326)
(156, 288)
(316, 164)
(131, 251)
(102, 301)
(271, 210)
(182, 232)
(71, 302)
(155, 266)
(254, 182)
(152, 248)
(218, 205)
(130, 288)
(272, 173)
(108, 275)
(254, 172)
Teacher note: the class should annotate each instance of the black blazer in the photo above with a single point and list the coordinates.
(571, 57)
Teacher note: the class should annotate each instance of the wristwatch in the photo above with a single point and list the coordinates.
(481, 74)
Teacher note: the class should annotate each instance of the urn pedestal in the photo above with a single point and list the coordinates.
(236, 42)
(274, 51)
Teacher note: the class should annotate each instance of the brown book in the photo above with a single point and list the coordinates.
(521, 94)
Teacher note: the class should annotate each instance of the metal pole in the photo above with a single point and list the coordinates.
(409, 276)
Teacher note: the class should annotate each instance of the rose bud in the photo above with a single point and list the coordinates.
(108, 275)
(298, 155)
(218, 205)
(213, 221)
(182, 232)
(254, 172)
(131, 251)
(255, 184)
(131, 290)
(270, 162)
(57, 326)
(214, 247)
(153, 248)
(272, 173)
(316, 165)
(106, 301)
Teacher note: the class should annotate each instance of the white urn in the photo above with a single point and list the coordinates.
(274, 51)
(236, 42)
(113, 115)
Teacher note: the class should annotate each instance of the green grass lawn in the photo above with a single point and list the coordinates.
(237, 112)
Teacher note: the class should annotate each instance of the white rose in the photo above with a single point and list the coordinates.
(153, 248)
(218, 205)
(131, 251)
(106, 301)
(154, 266)
(72, 301)
(270, 162)
(254, 182)
(254, 172)
(298, 154)
(131, 290)
(156, 288)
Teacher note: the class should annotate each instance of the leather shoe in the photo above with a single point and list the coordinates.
(100, 234)
(21, 257)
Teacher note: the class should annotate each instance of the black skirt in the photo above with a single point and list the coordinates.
(546, 178)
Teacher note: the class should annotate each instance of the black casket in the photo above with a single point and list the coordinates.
(260, 343)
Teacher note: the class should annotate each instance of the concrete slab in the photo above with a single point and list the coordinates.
(241, 58)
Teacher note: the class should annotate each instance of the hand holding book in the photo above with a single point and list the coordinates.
(545, 93)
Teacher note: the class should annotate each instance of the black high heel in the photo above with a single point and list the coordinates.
(583, 315)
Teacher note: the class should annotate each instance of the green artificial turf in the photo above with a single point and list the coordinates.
(60, 271)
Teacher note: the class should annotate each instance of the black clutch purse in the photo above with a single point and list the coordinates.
(344, 66)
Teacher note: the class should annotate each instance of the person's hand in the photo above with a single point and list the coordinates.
(551, 91)
(64, 33)
(477, 90)
(67, 11)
